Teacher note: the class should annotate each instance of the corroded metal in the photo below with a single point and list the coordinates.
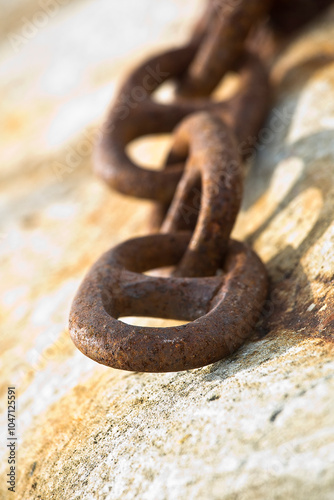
(218, 285)
(135, 113)
(222, 310)
(212, 159)
(223, 44)
(244, 113)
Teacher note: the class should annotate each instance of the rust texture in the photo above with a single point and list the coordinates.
(135, 113)
(218, 285)
(223, 45)
(222, 311)
(214, 160)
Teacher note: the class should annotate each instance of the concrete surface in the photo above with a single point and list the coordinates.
(259, 425)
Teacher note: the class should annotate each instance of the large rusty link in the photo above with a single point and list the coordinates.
(135, 113)
(287, 16)
(223, 44)
(213, 158)
(222, 310)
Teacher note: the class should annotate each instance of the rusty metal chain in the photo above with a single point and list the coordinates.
(218, 285)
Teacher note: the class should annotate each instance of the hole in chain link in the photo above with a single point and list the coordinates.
(152, 322)
(227, 88)
(150, 151)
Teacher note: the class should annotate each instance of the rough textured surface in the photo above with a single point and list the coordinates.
(258, 425)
